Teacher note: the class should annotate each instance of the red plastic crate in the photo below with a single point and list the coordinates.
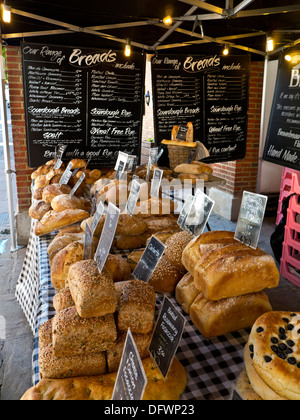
(292, 238)
(292, 218)
(296, 183)
(291, 256)
(287, 271)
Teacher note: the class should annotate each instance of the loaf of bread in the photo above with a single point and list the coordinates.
(60, 242)
(155, 206)
(38, 209)
(93, 292)
(55, 220)
(118, 268)
(74, 336)
(62, 262)
(63, 300)
(130, 225)
(175, 247)
(137, 307)
(235, 270)
(41, 170)
(78, 163)
(131, 242)
(88, 364)
(53, 190)
(118, 195)
(161, 223)
(213, 319)
(114, 355)
(193, 178)
(165, 277)
(101, 387)
(274, 349)
(99, 228)
(186, 168)
(208, 241)
(204, 166)
(45, 334)
(186, 292)
(65, 201)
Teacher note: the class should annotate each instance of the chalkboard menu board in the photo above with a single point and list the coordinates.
(283, 138)
(212, 93)
(90, 100)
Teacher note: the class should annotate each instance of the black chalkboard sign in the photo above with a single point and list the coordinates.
(283, 139)
(212, 92)
(89, 100)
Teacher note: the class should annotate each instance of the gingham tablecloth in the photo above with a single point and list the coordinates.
(212, 366)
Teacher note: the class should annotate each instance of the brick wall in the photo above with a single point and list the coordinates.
(23, 172)
(242, 175)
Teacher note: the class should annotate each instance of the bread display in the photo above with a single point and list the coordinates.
(227, 315)
(74, 336)
(137, 308)
(272, 356)
(53, 220)
(93, 292)
(235, 270)
(101, 387)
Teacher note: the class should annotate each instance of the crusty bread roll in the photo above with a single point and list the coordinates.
(93, 292)
(155, 206)
(186, 168)
(99, 227)
(174, 132)
(55, 220)
(213, 319)
(137, 307)
(161, 223)
(114, 355)
(53, 190)
(186, 292)
(192, 177)
(174, 248)
(65, 201)
(63, 300)
(52, 367)
(38, 209)
(118, 195)
(190, 132)
(75, 336)
(42, 170)
(274, 346)
(60, 242)
(235, 270)
(41, 181)
(101, 387)
(130, 225)
(118, 268)
(204, 166)
(78, 163)
(124, 242)
(62, 262)
(208, 241)
(165, 277)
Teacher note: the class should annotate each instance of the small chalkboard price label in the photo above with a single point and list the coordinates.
(198, 214)
(77, 185)
(251, 218)
(66, 176)
(156, 182)
(166, 336)
(58, 156)
(149, 260)
(107, 236)
(88, 239)
(131, 379)
(182, 132)
(121, 165)
(133, 196)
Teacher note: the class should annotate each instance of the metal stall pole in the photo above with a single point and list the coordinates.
(8, 170)
(262, 125)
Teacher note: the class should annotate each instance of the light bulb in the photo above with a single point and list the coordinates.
(288, 57)
(226, 51)
(168, 20)
(270, 44)
(128, 49)
(6, 13)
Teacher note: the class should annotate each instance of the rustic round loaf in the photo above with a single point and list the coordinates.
(130, 225)
(53, 190)
(65, 201)
(38, 209)
(274, 345)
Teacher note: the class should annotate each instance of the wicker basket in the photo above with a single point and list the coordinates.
(178, 155)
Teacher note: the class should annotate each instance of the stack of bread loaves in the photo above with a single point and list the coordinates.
(272, 358)
(223, 291)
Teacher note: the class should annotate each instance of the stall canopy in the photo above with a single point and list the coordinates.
(197, 25)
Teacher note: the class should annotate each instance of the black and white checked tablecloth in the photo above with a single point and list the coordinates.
(212, 366)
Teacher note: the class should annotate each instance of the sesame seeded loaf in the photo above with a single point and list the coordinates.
(137, 307)
(94, 293)
(73, 335)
